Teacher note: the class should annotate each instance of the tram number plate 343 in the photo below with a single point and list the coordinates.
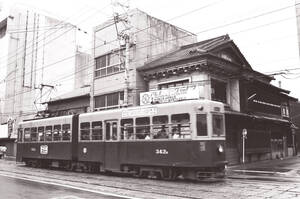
(161, 151)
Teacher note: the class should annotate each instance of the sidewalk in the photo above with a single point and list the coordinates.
(288, 167)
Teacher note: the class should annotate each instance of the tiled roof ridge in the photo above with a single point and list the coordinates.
(211, 41)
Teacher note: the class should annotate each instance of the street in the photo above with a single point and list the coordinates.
(15, 188)
(237, 185)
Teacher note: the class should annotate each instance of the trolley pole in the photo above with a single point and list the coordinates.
(244, 136)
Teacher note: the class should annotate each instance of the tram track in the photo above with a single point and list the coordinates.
(139, 186)
(144, 188)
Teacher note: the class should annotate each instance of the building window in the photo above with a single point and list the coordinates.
(284, 110)
(218, 91)
(109, 101)
(173, 84)
(109, 63)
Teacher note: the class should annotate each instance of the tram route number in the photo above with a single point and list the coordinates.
(161, 151)
(44, 149)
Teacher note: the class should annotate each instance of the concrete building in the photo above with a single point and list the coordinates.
(78, 100)
(40, 52)
(39, 60)
(149, 38)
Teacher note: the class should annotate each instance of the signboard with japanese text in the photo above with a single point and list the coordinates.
(139, 112)
(172, 94)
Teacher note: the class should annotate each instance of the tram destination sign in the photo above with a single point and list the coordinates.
(139, 112)
(172, 94)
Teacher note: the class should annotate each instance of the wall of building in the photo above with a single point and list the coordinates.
(150, 38)
(3, 64)
(203, 79)
(83, 69)
(75, 105)
(36, 56)
(297, 7)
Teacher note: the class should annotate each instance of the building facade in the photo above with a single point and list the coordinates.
(148, 39)
(163, 57)
(37, 47)
(38, 57)
(223, 74)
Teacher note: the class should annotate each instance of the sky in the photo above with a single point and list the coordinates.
(265, 31)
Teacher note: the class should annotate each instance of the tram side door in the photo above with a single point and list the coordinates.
(112, 147)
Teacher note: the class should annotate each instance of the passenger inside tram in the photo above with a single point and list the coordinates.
(176, 132)
(162, 133)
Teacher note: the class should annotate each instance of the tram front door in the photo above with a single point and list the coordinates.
(111, 146)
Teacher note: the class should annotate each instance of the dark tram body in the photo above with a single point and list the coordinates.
(165, 140)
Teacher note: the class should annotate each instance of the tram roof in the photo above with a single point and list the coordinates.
(66, 117)
(162, 105)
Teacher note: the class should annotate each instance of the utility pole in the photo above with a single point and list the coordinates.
(126, 78)
(124, 35)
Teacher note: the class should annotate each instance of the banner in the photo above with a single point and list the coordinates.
(172, 94)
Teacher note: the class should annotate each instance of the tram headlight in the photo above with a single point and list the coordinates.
(220, 148)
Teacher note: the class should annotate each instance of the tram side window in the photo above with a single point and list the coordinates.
(142, 128)
(218, 125)
(181, 127)
(20, 135)
(27, 135)
(66, 132)
(85, 131)
(127, 129)
(48, 135)
(97, 131)
(41, 133)
(160, 127)
(57, 133)
(33, 134)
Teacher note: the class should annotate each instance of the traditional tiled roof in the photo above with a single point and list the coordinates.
(188, 52)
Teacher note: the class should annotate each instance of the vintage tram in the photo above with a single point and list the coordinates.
(185, 138)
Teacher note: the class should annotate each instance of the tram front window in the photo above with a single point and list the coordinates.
(20, 135)
(27, 135)
(201, 125)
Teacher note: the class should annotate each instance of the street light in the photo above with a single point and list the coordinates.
(244, 134)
